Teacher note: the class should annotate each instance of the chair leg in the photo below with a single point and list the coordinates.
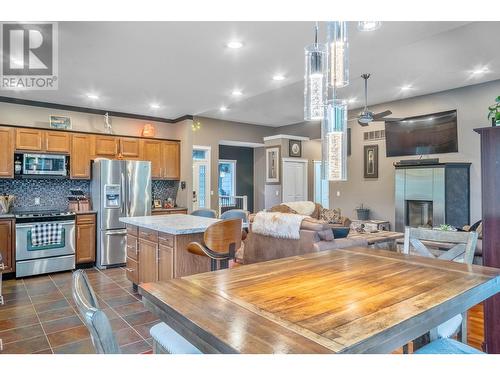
(405, 349)
(213, 265)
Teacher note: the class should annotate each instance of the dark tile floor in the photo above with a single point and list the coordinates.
(39, 315)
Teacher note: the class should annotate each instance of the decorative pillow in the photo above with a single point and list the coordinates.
(326, 235)
(331, 216)
(284, 209)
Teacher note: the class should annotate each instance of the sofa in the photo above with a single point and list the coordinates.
(315, 235)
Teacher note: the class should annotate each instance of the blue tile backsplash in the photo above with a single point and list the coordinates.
(53, 192)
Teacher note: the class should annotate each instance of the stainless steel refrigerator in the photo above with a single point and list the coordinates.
(120, 188)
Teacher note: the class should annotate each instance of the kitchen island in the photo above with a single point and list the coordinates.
(157, 247)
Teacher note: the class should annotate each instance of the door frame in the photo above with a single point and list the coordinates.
(235, 162)
(208, 161)
(305, 180)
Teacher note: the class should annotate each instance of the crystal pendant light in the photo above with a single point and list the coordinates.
(334, 141)
(338, 46)
(316, 85)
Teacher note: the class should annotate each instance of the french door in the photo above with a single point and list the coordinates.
(201, 177)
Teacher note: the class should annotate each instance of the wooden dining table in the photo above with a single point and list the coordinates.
(355, 300)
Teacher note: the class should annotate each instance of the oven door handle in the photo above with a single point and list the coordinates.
(30, 225)
(117, 233)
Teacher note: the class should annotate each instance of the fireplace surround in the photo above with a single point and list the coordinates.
(431, 195)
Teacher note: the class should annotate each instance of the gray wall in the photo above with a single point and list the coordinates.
(213, 131)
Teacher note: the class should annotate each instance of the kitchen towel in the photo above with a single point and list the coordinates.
(46, 234)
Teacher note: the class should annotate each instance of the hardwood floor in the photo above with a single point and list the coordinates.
(475, 326)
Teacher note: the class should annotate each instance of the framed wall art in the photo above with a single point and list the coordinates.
(371, 161)
(294, 148)
(273, 165)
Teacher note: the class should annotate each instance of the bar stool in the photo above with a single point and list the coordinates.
(235, 214)
(220, 242)
(1, 271)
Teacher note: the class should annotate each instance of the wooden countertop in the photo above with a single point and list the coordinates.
(340, 301)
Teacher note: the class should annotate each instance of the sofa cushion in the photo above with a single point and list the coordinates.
(283, 208)
(313, 224)
(326, 235)
(333, 216)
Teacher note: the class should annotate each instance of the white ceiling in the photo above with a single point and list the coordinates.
(186, 68)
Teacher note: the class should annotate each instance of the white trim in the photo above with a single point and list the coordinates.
(285, 136)
(241, 144)
(208, 162)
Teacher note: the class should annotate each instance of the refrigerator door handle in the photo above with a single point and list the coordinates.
(122, 193)
(129, 182)
(117, 233)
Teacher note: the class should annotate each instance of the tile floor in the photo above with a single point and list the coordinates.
(39, 315)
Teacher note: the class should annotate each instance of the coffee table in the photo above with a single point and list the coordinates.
(382, 239)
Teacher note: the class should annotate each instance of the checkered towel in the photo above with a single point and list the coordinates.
(46, 234)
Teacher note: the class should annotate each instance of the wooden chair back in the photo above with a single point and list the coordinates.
(224, 237)
(463, 251)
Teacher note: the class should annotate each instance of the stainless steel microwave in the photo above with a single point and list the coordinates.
(43, 164)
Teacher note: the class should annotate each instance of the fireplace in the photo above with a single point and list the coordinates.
(419, 214)
(432, 194)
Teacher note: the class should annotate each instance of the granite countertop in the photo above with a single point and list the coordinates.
(172, 224)
(7, 216)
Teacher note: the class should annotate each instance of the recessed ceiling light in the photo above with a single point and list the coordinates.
(154, 106)
(223, 108)
(406, 87)
(278, 77)
(369, 25)
(352, 100)
(236, 93)
(92, 96)
(234, 44)
(479, 71)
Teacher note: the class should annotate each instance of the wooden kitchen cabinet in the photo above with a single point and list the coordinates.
(106, 146)
(165, 263)
(80, 156)
(152, 151)
(129, 148)
(85, 238)
(29, 140)
(147, 261)
(7, 244)
(171, 159)
(6, 152)
(57, 142)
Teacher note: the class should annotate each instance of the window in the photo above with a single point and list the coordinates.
(227, 177)
(199, 154)
(321, 187)
(201, 177)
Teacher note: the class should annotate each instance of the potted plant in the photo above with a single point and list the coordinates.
(363, 212)
(494, 113)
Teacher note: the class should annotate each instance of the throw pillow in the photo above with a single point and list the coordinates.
(331, 216)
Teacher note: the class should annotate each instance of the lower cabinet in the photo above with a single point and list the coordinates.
(7, 244)
(165, 263)
(147, 261)
(85, 238)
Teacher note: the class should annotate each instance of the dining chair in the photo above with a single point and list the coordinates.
(94, 318)
(420, 239)
(447, 346)
(205, 212)
(220, 242)
(237, 214)
(1, 271)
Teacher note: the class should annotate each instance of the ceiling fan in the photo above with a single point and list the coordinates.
(366, 116)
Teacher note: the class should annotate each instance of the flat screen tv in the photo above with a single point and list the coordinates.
(422, 135)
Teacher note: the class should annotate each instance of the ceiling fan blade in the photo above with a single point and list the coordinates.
(380, 115)
(389, 119)
(363, 123)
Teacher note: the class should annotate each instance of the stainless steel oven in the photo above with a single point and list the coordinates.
(44, 164)
(35, 260)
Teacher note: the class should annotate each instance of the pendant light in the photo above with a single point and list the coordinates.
(369, 25)
(338, 46)
(334, 141)
(316, 84)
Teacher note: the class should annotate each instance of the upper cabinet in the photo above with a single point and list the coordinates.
(83, 147)
(106, 146)
(129, 148)
(57, 142)
(172, 159)
(29, 140)
(39, 140)
(80, 156)
(164, 157)
(6, 152)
